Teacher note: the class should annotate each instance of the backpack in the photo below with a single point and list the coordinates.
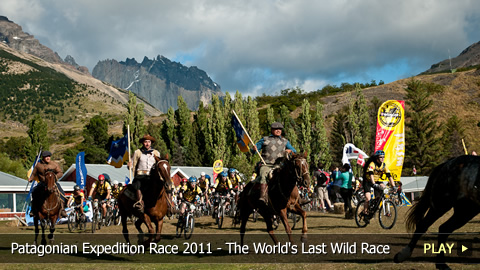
(322, 178)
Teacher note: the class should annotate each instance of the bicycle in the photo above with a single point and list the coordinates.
(220, 210)
(97, 218)
(77, 220)
(387, 214)
(186, 222)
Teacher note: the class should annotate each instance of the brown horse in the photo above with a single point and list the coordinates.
(155, 201)
(49, 203)
(283, 194)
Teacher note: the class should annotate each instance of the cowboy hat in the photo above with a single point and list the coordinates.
(147, 137)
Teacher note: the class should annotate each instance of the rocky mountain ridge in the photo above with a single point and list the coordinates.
(159, 80)
(467, 58)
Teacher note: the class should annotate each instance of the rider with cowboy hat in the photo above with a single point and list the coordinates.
(143, 160)
(39, 173)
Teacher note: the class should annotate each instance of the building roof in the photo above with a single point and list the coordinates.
(12, 183)
(414, 183)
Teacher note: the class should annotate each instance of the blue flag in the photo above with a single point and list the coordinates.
(127, 180)
(242, 138)
(81, 170)
(34, 183)
(118, 152)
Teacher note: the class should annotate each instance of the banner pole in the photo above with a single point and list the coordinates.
(263, 161)
(129, 153)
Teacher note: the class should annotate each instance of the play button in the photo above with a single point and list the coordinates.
(464, 249)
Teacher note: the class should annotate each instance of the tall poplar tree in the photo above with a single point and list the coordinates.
(320, 145)
(134, 118)
(289, 126)
(38, 137)
(306, 129)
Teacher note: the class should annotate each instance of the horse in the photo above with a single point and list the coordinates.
(452, 184)
(283, 194)
(49, 204)
(155, 202)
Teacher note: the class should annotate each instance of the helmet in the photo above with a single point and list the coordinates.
(223, 174)
(114, 182)
(379, 153)
(192, 179)
(231, 170)
(76, 188)
(202, 174)
(207, 176)
(184, 179)
(101, 177)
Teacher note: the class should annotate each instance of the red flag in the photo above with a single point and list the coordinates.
(414, 171)
(360, 160)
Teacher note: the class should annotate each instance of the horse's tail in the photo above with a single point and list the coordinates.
(418, 210)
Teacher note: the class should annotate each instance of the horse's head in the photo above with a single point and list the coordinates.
(300, 165)
(161, 168)
(50, 179)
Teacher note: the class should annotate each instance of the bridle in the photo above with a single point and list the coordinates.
(301, 170)
(162, 166)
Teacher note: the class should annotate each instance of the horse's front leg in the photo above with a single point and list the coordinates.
(52, 230)
(268, 220)
(158, 233)
(288, 229)
(151, 231)
(301, 212)
(43, 224)
(37, 230)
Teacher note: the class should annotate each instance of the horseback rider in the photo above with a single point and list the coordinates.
(143, 160)
(101, 191)
(375, 169)
(273, 146)
(46, 164)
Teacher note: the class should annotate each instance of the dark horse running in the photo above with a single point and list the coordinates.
(283, 194)
(155, 201)
(453, 184)
(49, 203)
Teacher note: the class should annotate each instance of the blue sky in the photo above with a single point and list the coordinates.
(259, 46)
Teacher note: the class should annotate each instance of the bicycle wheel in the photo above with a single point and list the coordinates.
(387, 215)
(71, 221)
(83, 223)
(189, 226)
(179, 229)
(94, 221)
(99, 219)
(255, 214)
(221, 214)
(360, 218)
(109, 217)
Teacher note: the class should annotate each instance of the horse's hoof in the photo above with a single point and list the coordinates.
(35, 242)
(404, 254)
(44, 242)
(304, 238)
(51, 241)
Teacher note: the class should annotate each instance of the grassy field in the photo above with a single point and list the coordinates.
(320, 226)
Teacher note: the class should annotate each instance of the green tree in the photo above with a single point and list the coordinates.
(270, 119)
(14, 167)
(134, 118)
(168, 130)
(320, 146)
(184, 125)
(423, 145)
(339, 134)
(453, 135)
(289, 126)
(216, 124)
(38, 137)
(156, 132)
(95, 133)
(306, 129)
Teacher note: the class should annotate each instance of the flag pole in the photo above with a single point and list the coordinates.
(263, 161)
(128, 139)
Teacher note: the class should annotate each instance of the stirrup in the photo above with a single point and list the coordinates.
(138, 205)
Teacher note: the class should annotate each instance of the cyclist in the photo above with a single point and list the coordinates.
(77, 198)
(116, 188)
(223, 187)
(204, 185)
(372, 174)
(100, 190)
(234, 177)
(189, 194)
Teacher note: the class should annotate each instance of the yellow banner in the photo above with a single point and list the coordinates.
(390, 136)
